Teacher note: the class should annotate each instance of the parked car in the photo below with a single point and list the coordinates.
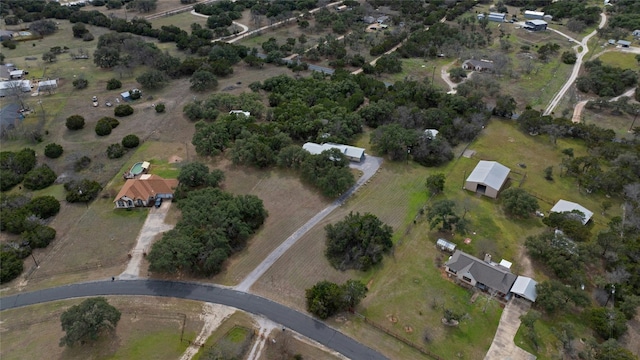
(158, 202)
(108, 104)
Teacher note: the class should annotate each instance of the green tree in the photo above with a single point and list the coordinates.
(88, 320)
(130, 141)
(123, 110)
(457, 74)
(79, 29)
(569, 57)
(210, 139)
(115, 151)
(44, 207)
(49, 57)
(39, 236)
(353, 292)
(517, 202)
(103, 127)
(12, 266)
(75, 122)
(152, 79)
(324, 299)
(53, 151)
(193, 174)
(435, 183)
(505, 106)
(84, 190)
(442, 214)
(39, 178)
(357, 242)
(160, 107)
(143, 6)
(612, 350)
(80, 83)
(554, 296)
(203, 80)
(607, 322)
(113, 84)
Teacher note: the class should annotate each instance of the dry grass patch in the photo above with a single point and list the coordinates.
(288, 344)
(290, 204)
(618, 123)
(149, 328)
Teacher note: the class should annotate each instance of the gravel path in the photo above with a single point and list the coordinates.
(369, 167)
(503, 347)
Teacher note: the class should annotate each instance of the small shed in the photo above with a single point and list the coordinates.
(445, 245)
(47, 85)
(487, 178)
(528, 14)
(563, 206)
(16, 74)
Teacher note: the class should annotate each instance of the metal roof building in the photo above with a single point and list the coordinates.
(487, 178)
(445, 245)
(528, 14)
(567, 206)
(525, 287)
(351, 152)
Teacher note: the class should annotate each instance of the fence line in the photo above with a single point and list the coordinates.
(399, 338)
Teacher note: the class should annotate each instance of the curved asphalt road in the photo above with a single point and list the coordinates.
(280, 314)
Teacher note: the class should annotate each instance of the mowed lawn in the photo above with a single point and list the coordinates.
(149, 328)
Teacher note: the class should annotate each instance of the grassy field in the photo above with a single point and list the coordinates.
(620, 60)
(149, 328)
(410, 281)
(618, 123)
(182, 20)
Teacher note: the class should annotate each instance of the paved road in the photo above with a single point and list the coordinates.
(369, 167)
(576, 68)
(280, 314)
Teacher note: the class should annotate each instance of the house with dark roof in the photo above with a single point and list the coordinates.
(144, 191)
(484, 275)
(487, 178)
(477, 65)
(564, 206)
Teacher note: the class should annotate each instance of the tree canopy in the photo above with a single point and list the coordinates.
(518, 202)
(88, 320)
(357, 242)
(214, 225)
(325, 298)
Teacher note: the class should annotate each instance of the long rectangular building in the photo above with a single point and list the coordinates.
(351, 152)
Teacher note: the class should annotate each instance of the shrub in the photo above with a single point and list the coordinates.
(103, 127)
(123, 110)
(11, 266)
(113, 84)
(39, 236)
(9, 179)
(82, 163)
(53, 151)
(113, 122)
(569, 57)
(160, 108)
(39, 178)
(9, 44)
(44, 206)
(75, 122)
(130, 141)
(115, 151)
(80, 83)
(87, 37)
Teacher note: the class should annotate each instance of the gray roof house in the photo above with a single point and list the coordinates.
(484, 275)
(487, 178)
(351, 152)
(494, 16)
(567, 206)
(478, 65)
(525, 287)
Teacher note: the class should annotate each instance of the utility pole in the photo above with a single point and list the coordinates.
(433, 75)
(34, 260)
(634, 120)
